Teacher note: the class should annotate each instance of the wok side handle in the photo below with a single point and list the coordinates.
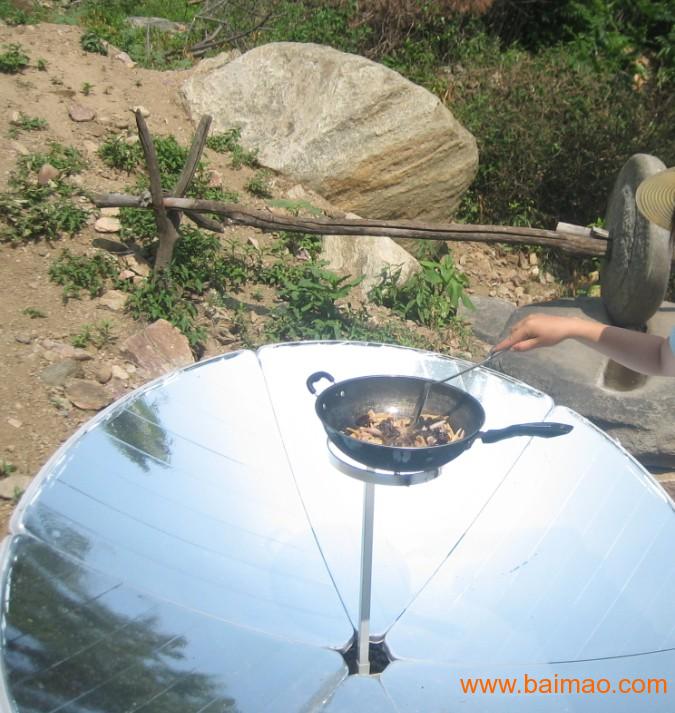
(542, 429)
(317, 376)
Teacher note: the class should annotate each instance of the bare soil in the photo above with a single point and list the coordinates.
(35, 418)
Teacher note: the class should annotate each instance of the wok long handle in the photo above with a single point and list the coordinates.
(317, 376)
(542, 429)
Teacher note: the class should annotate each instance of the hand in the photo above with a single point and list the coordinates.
(538, 330)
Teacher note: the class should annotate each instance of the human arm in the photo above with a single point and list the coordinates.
(646, 353)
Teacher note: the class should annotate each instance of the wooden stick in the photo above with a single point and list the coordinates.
(573, 244)
(198, 143)
(166, 230)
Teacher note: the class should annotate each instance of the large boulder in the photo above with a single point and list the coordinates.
(356, 132)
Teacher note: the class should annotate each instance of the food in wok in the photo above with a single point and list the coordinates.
(381, 428)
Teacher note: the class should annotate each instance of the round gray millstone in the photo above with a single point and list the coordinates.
(635, 273)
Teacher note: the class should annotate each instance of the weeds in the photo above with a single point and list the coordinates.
(13, 60)
(80, 272)
(6, 468)
(117, 153)
(259, 185)
(303, 245)
(67, 159)
(29, 123)
(42, 64)
(34, 313)
(99, 335)
(430, 297)
(91, 42)
(86, 88)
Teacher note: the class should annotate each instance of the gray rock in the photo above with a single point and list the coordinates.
(366, 256)
(489, 317)
(47, 173)
(354, 131)
(580, 378)
(114, 300)
(80, 113)
(155, 23)
(107, 224)
(103, 373)
(13, 486)
(635, 276)
(87, 395)
(158, 349)
(65, 351)
(58, 374)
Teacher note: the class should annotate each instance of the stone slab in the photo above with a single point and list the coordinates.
(576, 376)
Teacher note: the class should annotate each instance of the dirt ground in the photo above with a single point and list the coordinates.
(35, 419)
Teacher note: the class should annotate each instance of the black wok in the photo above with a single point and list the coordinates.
(340, 405)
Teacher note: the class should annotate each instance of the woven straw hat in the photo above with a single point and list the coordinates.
(655, 198)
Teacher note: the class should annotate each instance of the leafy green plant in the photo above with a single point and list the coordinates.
(303, 245)
(38, 213)
(6, 468)
(42, 64)
(259, 185)
(29, 123)
(430, 297)
(117, 153)
(92, 42)
(80, 272)
(86, 88)
(163, 297)
(67, 159)
(13, 60)
(138, 224)
(34, 313)
(100, 335)
(311, 310)
(228, 142)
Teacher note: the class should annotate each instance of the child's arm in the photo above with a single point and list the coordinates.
(646, 353)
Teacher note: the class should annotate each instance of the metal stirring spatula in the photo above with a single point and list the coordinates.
(424, 395)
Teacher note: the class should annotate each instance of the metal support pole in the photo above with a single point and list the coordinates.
(366, 577)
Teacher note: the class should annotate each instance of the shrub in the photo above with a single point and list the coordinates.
(117, 153)
(80, 272)
(430, 297)
(91, 42)
(13, 60)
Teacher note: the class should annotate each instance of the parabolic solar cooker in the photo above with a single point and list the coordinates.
(199, 546)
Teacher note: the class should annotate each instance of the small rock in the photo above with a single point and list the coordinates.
(103, 373)
(107, 224)
(126, 275)
(534, 259)
(66, 351)
(130, 368)
(137, 264)
(47, 173)
(87, 395)
(80, 113)
(19, 148)
(121, 123)
(23, 339)
(111, 212)
(14, 422)
(254, 242)
(132, 140)
(125, 59)
(15, 117)
(158, 348)
(534, 271)
(215, 179)
(119, 373)
(57, 374)
(144, 112)
(549, 278)
(113, 300)
(13, 485)
(523, 262)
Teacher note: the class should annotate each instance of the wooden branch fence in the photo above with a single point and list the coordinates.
(168, 210)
